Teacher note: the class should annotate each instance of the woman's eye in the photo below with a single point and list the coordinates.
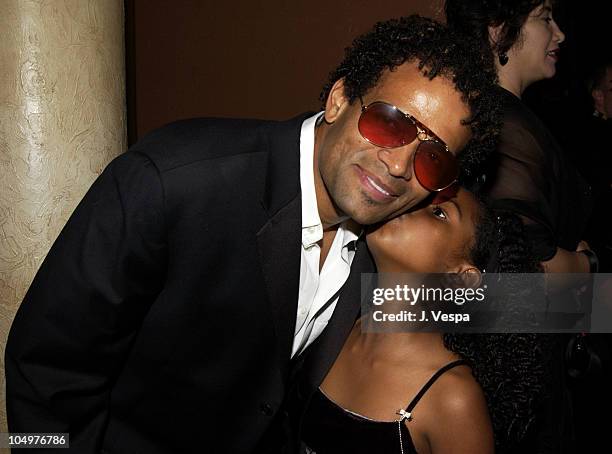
(439, 212)
(548, 19)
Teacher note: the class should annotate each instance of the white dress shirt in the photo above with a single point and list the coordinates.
(315, 302)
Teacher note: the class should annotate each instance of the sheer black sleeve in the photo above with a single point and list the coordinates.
(520, 182)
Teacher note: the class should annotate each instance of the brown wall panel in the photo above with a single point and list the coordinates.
(262, 58)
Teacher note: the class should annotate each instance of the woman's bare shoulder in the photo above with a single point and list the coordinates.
(456, 419)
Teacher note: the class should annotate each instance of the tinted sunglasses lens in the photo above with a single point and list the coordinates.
(385, 126)
(434, 167)
(445, 194)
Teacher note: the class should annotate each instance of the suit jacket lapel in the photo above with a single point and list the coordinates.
(326, 348)
(279, 240)
(279, 251)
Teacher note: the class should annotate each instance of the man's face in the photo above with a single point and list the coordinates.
(357, 179)
(603, 95)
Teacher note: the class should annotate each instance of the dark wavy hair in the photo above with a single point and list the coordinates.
(510, 368)
(439, 53)
(473, 17)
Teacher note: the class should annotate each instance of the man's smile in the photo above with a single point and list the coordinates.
(375, 188)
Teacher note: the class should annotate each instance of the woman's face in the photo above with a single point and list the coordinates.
(432, 239)
(536, 52)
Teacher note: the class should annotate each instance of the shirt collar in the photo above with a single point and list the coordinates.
(312, 229)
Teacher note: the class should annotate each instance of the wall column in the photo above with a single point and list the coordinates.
(62, 119)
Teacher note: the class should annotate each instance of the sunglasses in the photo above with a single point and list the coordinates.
(384, 125)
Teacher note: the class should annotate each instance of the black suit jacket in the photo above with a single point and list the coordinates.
(162, 319)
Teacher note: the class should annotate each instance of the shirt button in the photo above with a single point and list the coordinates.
(266, 409)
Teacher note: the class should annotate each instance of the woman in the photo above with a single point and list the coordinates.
(531, 175)
(370, 401)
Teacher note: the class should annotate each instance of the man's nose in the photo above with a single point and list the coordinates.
(399, 160)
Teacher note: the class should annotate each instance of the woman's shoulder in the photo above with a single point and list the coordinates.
(457, 414)
(520, 122)
(524, 137)
(456, 392)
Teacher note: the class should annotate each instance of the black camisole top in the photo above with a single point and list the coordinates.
(329, 428)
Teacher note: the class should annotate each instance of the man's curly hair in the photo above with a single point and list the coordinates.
(439, 53)
(510, 368)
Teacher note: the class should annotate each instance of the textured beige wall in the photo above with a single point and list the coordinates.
(62, 119)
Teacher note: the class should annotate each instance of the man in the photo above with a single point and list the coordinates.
(601, 90)
(166, 316)
(590, 356)
(594, 161)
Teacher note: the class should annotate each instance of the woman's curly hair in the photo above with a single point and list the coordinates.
(439, 53)
(472, 18)
(511, 368)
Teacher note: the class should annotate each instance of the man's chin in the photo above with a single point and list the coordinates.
(371, 219)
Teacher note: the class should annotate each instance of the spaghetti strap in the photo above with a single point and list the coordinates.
(431, 381)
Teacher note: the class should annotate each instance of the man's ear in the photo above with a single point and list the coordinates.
(336, 101)
(598, 99)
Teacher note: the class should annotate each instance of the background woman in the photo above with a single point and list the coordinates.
(531, 175)
(358, 407)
